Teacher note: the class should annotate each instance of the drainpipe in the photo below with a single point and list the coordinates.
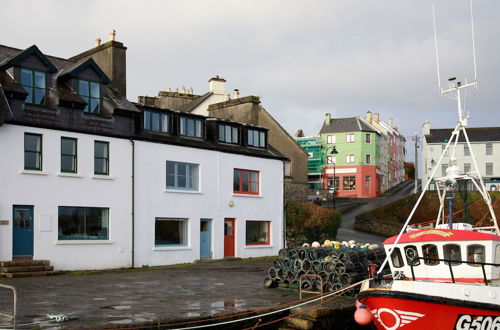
(133, 200)
(284, 208)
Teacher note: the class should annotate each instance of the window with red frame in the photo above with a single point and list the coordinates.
(246, 182)
(257, 232)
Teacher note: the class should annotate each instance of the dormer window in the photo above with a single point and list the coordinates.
(190, 127)
(33, 82)
(155, 121)
(228, 133)
(90, 91)
(256, 138)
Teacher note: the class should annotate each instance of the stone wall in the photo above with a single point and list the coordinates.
(376, 226)
(295, 191)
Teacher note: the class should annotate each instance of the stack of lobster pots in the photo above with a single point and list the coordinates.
(336, 266)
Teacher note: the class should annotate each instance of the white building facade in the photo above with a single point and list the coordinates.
(485, 145)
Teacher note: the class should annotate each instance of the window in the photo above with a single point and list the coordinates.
(396, 258)
(349, 159)
(489, 148)
(256, 138)
(452, 252)
(34, 83)
(349, 138)
(368, 159)
(412, 255)
(330, 182)
(466, 150)
(246, 182)
(190, 127)
(90, 91)
(32, 151)
(257, 233)
(68, 155)
(368, 138)
(475, 253)
(156, 121)
(83, 223)
(368, 181)
(349, 183)
(101, 157)
(489, 168)
(170, 231)
(331, 160)
(443, 169)
(330, 139)
(466, 167)
(430, 251)
(228, 134)
(182, 176)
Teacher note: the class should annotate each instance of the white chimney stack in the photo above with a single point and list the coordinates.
(217, 85)
(112, 36)
(236, 94)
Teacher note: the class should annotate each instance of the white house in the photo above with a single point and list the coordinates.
(485, 145)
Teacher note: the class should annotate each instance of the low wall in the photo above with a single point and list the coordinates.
(295, 191)
(375, 226)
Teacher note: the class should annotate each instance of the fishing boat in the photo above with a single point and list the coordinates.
(446, 276)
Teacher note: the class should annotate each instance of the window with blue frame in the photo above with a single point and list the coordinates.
(182, 176)
(256, 138)
(155, 121)
(171, 232)
(90, 91)
(83, 223)
(192, 127)
(33, 82)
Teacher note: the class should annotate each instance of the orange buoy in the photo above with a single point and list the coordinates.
(362, 316)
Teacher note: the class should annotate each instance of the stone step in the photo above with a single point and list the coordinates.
(21, 269)
(27, 274)
(300, 323)
(15, 263)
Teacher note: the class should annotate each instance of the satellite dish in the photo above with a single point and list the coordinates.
(450, 185)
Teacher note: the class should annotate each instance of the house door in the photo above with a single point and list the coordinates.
(205, 238)
(229, 237)
(22, 220)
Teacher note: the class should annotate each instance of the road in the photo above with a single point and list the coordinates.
(347, 232)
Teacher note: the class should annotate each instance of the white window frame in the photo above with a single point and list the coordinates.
(331, 139)
(349, 138)
(349, 159)
(189, 178)
(185, 232)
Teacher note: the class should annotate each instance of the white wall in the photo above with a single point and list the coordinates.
(212, 201)
(49, 189)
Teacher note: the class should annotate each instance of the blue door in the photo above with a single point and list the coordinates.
(22, 219)
(205, 238)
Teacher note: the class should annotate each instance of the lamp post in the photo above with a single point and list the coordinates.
(334, 153)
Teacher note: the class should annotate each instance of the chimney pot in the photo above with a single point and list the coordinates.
(226, 97)
(176, 90)
(183, 90)
(169, 89)
(236, 93)
(376, 117)
(97, 42)
(112, 36)
(369, 117)
(328, 119)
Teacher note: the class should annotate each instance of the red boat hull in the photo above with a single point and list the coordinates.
(392, 313)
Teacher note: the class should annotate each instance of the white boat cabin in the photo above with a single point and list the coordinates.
(446, 255)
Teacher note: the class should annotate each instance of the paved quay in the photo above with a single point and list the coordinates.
(124, 298)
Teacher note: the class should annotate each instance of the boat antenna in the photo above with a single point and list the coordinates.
(473, 44)
(436, 46)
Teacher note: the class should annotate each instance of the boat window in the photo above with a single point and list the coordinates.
(497, 257)
(452, 252)
(430, 252)
(412, 255)
(475, 253)
(397, 259)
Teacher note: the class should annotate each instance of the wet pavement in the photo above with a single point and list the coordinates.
(144, 296)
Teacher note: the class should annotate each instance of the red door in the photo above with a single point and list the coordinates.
(228, 237)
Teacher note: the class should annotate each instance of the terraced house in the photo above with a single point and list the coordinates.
(90, 180)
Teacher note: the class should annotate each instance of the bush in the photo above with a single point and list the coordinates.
(307, 222)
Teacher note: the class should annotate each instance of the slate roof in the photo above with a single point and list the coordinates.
(353, 124)
(475, 134)
(193, 105)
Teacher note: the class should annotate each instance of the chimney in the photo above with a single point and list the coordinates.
(176, 89)
(426, 127)
(328, 119)
(217, 85)
(169, 89)
(236, 94)
(183, 90)
(97, 42)
(391, 122)
(226, 97)
(376, 117)
(111, 58)
(369, 117)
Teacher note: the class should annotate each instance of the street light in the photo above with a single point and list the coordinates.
(333, 153)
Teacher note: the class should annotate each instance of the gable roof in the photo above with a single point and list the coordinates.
(193, 105)
(15, 60)
(352, 124)
(75, 70)
(475, 134)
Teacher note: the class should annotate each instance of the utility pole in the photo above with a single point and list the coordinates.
(416, 138)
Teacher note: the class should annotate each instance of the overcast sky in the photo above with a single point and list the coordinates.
(303, 58)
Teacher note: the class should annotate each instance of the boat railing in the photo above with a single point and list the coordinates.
(451, 263)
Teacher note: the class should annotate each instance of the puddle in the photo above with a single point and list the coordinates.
(192, 314)
(124, 321)
(120, 308)
(98, 298)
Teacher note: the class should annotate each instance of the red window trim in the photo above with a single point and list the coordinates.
(268, 233)
(240, 191)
